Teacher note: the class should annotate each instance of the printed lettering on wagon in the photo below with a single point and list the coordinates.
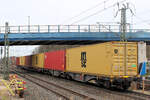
(83, 59)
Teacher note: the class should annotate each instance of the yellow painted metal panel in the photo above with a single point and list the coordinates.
(33, 60)
(93, 59)
(38, 60)
(125, 59)
(132, 59)
(103, 59)
(22, 60)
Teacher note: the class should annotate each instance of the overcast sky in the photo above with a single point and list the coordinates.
(43, 12)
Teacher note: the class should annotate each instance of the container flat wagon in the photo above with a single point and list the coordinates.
(22, 61)
(28, 61)
(17, 61)
(13, 60)
(111, 63)
(38, 61)
(54, 62)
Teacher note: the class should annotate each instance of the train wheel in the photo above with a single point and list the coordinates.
(68, 77)
(125, 87)
(60, 75)
(107, 84)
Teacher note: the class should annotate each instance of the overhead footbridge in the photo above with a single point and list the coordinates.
(69, 34)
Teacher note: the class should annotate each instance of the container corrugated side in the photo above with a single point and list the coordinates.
(55, 60)
(125, 58)
(104, 59)
(92, 59)
(38, 60)
(17, 61)
(33, 60)
(13, 60)
(28, 61)
(22, 60)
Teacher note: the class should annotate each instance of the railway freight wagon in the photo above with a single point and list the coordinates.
(111, 63)
(38, 61)
(13, 60)
(28, 61)
(17, 61)
(22, 61)
(54, 62)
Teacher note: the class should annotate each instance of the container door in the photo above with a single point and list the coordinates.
(118, 59)
(131, 59)
(124, 59)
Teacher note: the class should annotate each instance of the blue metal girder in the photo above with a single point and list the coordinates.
(102, 36)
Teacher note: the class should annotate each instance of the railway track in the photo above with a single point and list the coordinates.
(47, 85)
(139, 95)
(127, 94)
(132, 95)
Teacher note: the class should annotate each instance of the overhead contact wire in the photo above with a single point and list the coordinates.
(81, 13)
(96, 12)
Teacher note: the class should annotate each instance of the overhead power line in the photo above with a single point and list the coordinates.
(97, 12)
(81, 13)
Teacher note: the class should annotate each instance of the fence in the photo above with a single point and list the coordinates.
(67, 28)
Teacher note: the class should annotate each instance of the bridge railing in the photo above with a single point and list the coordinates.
(66, 28)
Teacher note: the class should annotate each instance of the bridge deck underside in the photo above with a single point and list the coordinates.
(70, 38)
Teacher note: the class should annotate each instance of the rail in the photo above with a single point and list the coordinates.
(67, 28)
(40, 83)
(125, 95)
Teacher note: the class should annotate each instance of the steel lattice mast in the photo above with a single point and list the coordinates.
(6, 52)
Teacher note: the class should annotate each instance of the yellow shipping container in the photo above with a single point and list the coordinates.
(104, 59)
(22, 60)
(38, 60)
